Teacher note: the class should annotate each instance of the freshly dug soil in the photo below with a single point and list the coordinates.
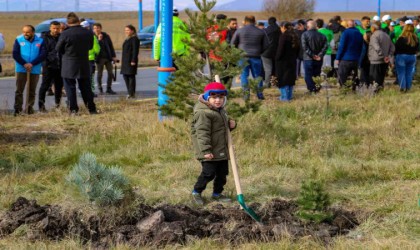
(171, 224)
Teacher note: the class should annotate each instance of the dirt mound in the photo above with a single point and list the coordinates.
(170, 224)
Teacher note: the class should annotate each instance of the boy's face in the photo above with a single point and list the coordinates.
(217, 100)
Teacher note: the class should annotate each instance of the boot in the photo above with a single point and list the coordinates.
(101, 91)
(110, 91)
(220, 198)
(197, 198)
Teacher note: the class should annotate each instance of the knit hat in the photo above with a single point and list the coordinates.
(214, 87)
(386, 17)
(85, 24)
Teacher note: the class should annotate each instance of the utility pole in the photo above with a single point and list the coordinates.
(40, 5)
(111, 6)
(379, 8)
(140, 15)
(347, 5)
(77, 7)
(166, 66)
(7, 5)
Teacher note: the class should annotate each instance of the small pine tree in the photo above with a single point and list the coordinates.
(102, 185)
(313, 202)
(189, 80)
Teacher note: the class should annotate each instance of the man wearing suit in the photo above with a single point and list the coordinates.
(73, 46)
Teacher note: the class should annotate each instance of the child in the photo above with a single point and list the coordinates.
(209, 135)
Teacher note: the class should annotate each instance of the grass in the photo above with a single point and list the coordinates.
(366, 150)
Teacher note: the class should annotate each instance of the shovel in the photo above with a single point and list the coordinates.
(28, 89)
(239, 194)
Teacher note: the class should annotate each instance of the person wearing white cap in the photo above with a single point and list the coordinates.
(405, 49)
(386, 24)
(93, 53)
(376, 18)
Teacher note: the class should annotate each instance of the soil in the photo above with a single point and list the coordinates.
(164, 225)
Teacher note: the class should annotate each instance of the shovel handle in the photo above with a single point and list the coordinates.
(234, 164)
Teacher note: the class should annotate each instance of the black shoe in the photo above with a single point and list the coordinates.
(17, 112)
(101, 91)
(74, 113)
(111, 92)
(42, 109)
(95, 95)
(31, 111)
(221, 198)
(94, 112)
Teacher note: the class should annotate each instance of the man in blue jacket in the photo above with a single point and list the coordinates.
(28, 52)
(348, 54)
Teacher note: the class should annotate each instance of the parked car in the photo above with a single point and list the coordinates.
(45, 25)
(146, 36)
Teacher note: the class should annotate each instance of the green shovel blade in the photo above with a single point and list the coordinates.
(248, 210)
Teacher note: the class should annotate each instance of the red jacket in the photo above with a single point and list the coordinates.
(214, 35)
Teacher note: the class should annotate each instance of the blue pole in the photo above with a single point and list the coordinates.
(379, 8)
(157, 21)
(157, 14)
(166, 66)
(140, 15)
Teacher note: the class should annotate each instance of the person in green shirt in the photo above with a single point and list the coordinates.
(386, 24)
(92, 56)
(330, 37)
(365, 25)
(179, 34)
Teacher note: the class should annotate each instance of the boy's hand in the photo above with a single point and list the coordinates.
(232, 124)
(208, 156)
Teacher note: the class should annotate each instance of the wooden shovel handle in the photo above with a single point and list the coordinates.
(234, 165)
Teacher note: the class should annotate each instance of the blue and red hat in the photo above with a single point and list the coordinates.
(214, 87)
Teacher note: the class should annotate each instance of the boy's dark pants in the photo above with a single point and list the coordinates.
(217, 170)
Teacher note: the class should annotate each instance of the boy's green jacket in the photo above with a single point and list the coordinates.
(209, 131)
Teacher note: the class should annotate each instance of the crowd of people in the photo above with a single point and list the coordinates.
(362, 54)
(279, 53)
(68, 55)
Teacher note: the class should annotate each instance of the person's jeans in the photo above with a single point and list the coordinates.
(312, 69)
(48, 77)
(286, 93)
(21, 80)
(85, 90)
(405, 67)
(255, 65)
(268, 70)
(100, 66)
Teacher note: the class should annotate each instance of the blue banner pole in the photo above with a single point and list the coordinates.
(140, 15)
(166, 66)
(379, 8)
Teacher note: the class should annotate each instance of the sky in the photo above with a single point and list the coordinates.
(238, 5)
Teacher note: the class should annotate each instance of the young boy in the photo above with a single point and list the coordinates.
(209, 135)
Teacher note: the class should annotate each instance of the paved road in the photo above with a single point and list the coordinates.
(146, 88)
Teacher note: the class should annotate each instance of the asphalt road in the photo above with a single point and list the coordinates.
(146, 88)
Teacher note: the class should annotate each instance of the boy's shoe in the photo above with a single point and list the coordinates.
(221, 198)
(197, 198)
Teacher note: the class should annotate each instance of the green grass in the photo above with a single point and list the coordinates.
(367, 150)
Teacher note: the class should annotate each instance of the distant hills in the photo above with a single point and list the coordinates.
(331, 5)
(223, 5)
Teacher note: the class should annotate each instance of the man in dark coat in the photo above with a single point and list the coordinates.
(51, 67)
(73, 46)
(267, 57)
(314, 45)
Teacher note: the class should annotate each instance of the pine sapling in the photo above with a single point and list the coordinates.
(100, 184)
(313, 202)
